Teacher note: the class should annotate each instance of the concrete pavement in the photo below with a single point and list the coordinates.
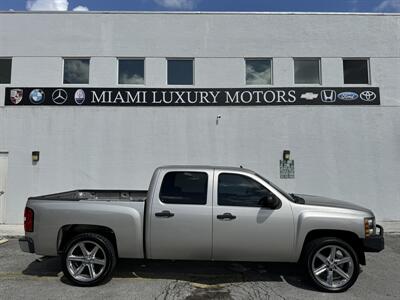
(28, 276)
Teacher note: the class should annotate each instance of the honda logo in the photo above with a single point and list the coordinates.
(328, 96)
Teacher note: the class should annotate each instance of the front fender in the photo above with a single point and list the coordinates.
(309, 221)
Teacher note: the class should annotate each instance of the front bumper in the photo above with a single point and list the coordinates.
(26, 245)
(375, 243)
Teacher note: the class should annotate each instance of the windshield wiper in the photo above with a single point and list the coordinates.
(297, 199)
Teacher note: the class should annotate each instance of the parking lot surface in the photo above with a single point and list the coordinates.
(28, 276)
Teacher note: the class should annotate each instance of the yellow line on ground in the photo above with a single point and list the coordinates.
(206, 286)
(18, 276)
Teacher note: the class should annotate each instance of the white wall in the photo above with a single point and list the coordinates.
(351, 153)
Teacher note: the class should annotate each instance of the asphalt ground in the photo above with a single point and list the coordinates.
(28, 276)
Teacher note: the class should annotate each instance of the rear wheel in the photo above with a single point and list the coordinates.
(332, 264)
(89, 259)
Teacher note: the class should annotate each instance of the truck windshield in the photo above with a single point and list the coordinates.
(288, 196)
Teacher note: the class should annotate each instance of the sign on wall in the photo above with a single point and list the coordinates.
(286, 168)
(191, 97)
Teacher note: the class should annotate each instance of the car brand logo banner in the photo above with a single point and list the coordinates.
(39, 96)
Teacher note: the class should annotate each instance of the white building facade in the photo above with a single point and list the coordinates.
(347, 148)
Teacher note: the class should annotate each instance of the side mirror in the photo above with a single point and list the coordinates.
(270, 201)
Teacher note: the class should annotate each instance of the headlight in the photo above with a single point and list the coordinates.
(369, 226)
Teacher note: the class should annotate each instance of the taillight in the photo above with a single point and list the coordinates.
(28, 220)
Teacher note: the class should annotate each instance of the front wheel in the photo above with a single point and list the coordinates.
(89, 259)
(332, 264)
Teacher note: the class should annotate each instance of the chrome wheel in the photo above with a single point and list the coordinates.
(86, 261)
(332, 266)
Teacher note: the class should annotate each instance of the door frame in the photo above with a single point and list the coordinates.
(285, 208)
(4, 155)
(155, 205)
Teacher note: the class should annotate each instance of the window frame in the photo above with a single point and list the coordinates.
(11, 59)
(368, 70)
(144, 71)
(185, 171)
(75, 58)
(258, 58)
(308, 59)
(251, 177)
(192, 59)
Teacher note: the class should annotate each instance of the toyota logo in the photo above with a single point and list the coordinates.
(368, 96)
(59, 96)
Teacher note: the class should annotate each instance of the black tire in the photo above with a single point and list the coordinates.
(313, 247)
(107, 252)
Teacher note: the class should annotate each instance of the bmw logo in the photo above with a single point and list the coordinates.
(37, 96)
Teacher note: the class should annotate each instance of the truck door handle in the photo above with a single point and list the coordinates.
(164, 214)
(228, 216)
(1, 193)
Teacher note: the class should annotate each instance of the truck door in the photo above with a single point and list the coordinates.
(181, 216)
(242, 228)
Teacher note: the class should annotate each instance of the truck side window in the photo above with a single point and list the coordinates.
(184, 188)
(239, 190)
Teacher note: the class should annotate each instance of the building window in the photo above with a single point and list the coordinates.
(76, 70)
(258, 71)
(5, 70)
(356, 71)
(180, 71)
(307, 71)
(131, 71)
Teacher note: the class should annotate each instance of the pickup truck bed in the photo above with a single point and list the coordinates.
(121, 210)
(99, 195)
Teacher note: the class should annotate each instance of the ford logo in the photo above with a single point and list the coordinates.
(348, 96)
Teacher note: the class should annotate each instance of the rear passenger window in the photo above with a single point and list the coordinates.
(184, 188)
(239, 190)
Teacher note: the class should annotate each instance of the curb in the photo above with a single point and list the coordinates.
(11, 231)
(12, 236)
(3, 241)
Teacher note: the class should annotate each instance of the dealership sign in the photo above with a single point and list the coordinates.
(191, 97)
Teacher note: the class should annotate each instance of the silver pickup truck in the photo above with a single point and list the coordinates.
(201, 213)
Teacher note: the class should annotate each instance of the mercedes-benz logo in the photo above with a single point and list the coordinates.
(368, 96)
(59, 96)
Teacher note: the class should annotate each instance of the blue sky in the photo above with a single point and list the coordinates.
(207, 5)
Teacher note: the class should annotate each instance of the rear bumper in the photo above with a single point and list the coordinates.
(375, 243)
(26, 245)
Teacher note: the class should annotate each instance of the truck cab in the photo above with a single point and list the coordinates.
(208, 213)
